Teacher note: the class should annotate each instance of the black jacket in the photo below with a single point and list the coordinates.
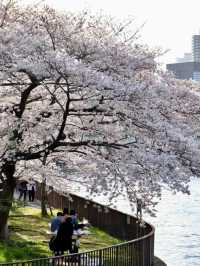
(63, 239)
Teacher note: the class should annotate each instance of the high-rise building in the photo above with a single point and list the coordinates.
(188, 67)
(196, 48)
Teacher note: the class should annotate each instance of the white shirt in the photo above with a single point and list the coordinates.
(30, 185)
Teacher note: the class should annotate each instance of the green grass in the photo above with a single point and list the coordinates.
(97, 239)
(29, 237)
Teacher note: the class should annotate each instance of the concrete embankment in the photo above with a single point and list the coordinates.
(159, 262)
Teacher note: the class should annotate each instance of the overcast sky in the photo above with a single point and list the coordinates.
(169, 23)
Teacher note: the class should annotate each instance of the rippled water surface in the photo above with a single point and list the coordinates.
(178, 228)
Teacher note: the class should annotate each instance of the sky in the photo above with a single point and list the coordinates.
(169, 24)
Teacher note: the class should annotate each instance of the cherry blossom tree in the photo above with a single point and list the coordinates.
(78, 91)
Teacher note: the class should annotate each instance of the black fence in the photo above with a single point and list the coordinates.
(136, 252)
(112, 221)
(132, 253)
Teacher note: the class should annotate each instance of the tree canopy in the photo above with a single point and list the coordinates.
(80, 90)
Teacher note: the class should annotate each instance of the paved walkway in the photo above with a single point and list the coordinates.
(35, 204)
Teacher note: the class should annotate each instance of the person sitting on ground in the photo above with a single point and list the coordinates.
(63, 240)
(55, 222)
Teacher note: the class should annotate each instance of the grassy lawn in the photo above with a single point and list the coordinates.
(29, 237)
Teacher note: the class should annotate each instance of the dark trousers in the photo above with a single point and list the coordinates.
(59, 250)
(31, 195)
(22, 193)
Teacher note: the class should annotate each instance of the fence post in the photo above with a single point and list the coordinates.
(117, 256)
(100, 258)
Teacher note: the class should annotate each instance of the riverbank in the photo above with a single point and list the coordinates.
(29, 237)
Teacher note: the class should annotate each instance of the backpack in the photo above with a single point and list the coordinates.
(52, 243)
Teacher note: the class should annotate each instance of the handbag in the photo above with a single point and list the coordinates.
(52, 246)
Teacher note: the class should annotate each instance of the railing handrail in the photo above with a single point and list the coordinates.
(88, 251)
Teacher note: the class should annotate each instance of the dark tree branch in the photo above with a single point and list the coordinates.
(90, 114)
(87, 143)
(6, 9)
(19, 110)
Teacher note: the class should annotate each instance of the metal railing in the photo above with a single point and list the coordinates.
(138, 252)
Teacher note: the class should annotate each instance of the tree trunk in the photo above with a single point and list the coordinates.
(43, 190)
(6, 198)
(43, 198)
(50, 208)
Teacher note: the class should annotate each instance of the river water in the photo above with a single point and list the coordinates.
(177, 239)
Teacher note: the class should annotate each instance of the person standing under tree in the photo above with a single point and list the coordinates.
(23, 190)
(55, 223)
(63, 240)
(31, 189)
(74, 217)
(139, 208)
